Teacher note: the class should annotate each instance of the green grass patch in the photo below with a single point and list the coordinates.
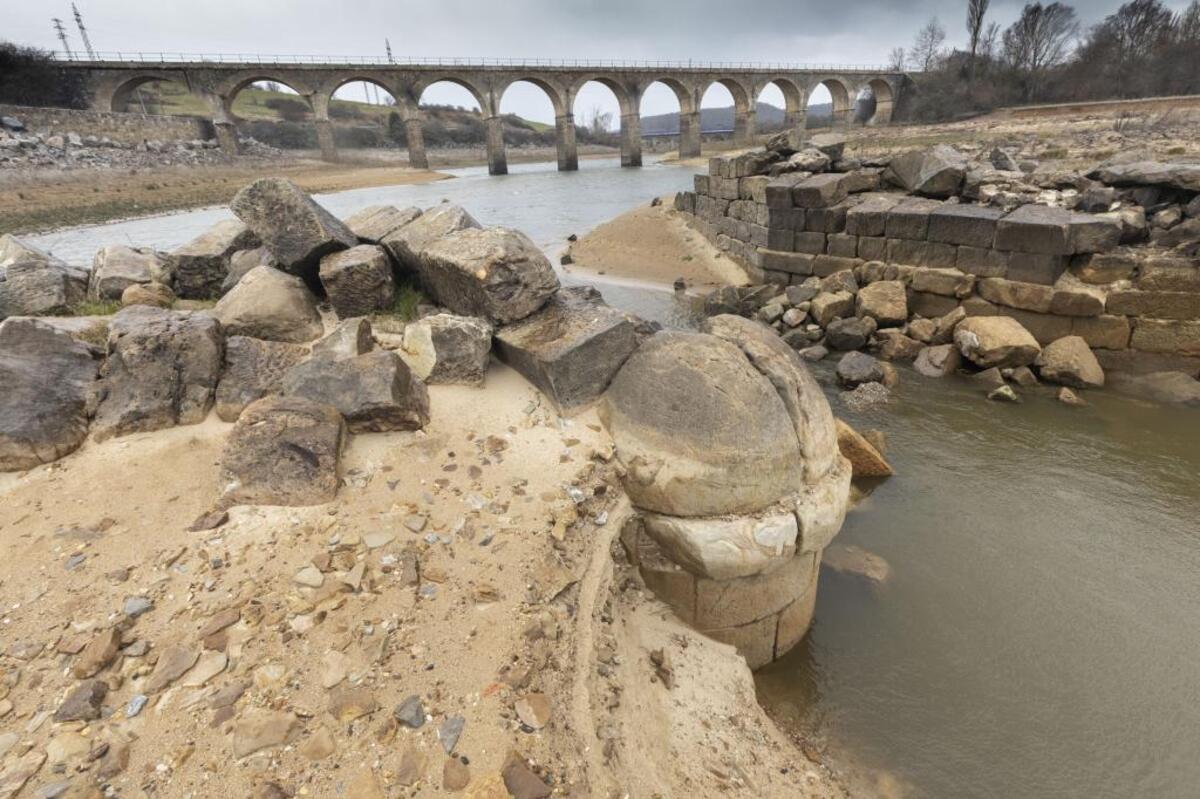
(1177, 151)
(95, 308)
(403, 310)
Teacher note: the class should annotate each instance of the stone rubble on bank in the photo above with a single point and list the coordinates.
(904, 257)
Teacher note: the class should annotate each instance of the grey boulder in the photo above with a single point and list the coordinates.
(495, 273)
(270, 304)
(283, 451)
(989, 341)
(406, 243)
(358, 281)
(856, 368)
(48, 379)
(375, 223)
(240, 264)
(254, 369)
(161, 371)
(34, 283)
(1069, 361)
(200, 267)
(444, 348)
(117, 267)
(376, 392)
(571, 348)
(934, 172)
(290, 224)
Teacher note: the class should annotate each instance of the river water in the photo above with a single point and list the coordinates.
(1040, 633)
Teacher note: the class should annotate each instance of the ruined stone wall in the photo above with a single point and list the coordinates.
(1057, 271)
(124, 128)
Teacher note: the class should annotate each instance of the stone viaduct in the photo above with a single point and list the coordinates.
(218, 80)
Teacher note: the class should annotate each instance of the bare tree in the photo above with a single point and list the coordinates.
(976, 11)
(896, 58)
(927, 48)
(1187, 25)
(601, 121)
(1041, 38)
(990, 41)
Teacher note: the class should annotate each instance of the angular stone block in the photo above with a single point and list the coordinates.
(790, 262)
(289, 223)
(740, 601)
(1035, 229)
(1012, 294)
(1104, 332)
(826, 220)
(254, 369)
(842, 245)
(376, 392)
(376, 222)
(283, 451)
(1073, 297)
(826, 265)
(571, 349)
(819, 191)
(1044, 327)
(1026, 267)
(930, 306)
(871, 248)
(117, 267)
(726, 548)
(199, 267)
(946, 282)
(1156, 304)
(995, 341)
(869, 217)
(444, 348)
(967, 225)
(1089, 234)
(1164, 335)
(910, 219)
(406, 243)
(270, 304)
(809, 242)
(981, 262)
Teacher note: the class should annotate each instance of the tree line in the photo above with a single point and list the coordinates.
(1143, 49)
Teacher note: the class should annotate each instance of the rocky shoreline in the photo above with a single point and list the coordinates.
(931, 258)
(309, 502)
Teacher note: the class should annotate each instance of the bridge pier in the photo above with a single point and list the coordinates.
(414, 135)
(325, 140)
(631, 139)
(689, 135)
(497, 160)
(744, 123)
(564, 140)
(226, 137)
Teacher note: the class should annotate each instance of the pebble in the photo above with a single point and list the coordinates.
(410, 712)
(416, 522)
(137, 605)
(173, 663)
(450, 731)
(533, 710)
(310, 576)
(75, 561)
(83, 703)
(377, 540)
(135, 705)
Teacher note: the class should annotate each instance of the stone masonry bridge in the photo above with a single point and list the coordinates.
(113, 78)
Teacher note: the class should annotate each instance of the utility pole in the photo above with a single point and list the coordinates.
(87, 44)
(388, 45)
(62, 37)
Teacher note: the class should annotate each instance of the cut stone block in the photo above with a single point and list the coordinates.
(1036, 229)
(571, 349)
(376, 222)
(376, 392)
(910, 219)
(819, 191)
(969, 225)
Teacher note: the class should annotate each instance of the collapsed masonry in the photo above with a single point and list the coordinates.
(1110, 256)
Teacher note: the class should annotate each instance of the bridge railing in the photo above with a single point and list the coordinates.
(259, 59)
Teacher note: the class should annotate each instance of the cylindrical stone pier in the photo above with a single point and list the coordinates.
(497, 160)
(631, 140)
(227, 137)
(325, 140)
(744, 123)
(568, 153)
(689, 135)
(414, 135)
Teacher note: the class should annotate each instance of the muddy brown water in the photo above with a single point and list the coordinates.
(1040, 633)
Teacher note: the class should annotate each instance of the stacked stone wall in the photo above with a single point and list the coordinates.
(1059, 272)
(124, 128)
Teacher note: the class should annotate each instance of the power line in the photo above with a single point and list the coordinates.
(87, 44)
(62, 37)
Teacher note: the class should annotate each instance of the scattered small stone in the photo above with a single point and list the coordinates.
(173, 663)
(1003, 394)
(410, 712)
(455, 775)
(135, 705)
(75, 561)
(520, 780)
(137, 605)
(416, 522)
(533, 710)
(1068, 397)
(377, 540)
(83, 703)
(450, 731)
(661, 660)
(209, 521)
(309, 576)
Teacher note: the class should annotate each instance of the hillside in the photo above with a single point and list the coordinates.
(721, 119)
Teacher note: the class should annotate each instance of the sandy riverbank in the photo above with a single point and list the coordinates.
(470, 597)
(653, 244)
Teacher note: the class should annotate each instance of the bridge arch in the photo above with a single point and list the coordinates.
(882, 98)
(794, 98)
(744, 96)
(689, 111)
(118, 98)
(564, 124)
(842, 94)
(627, 110)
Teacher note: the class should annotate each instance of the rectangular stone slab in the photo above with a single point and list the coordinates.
(571, 349)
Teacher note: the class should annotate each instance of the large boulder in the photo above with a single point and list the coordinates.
(495, 273)
(117, 267)
(444, 348)
(857, 368)
(376, 392)
(571, 348)
(406, 243)
(375, 223)
(940, 360)
(1149, 173)
(358, 281)
(885, 301)
(865, 459)
(200, 267)
(161, 371)
(155, 294)
(283, 451)
(348, 339)
(35, 283)
(849, 334)
(1069, 361)
(270, 304)
(296, 230)
(254, 369)
(1000, 341)
(1171, 388)
(47, 378)
(934, 172)
(242, 261)
(699, 430)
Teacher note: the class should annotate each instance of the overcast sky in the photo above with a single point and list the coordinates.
(800, 31)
